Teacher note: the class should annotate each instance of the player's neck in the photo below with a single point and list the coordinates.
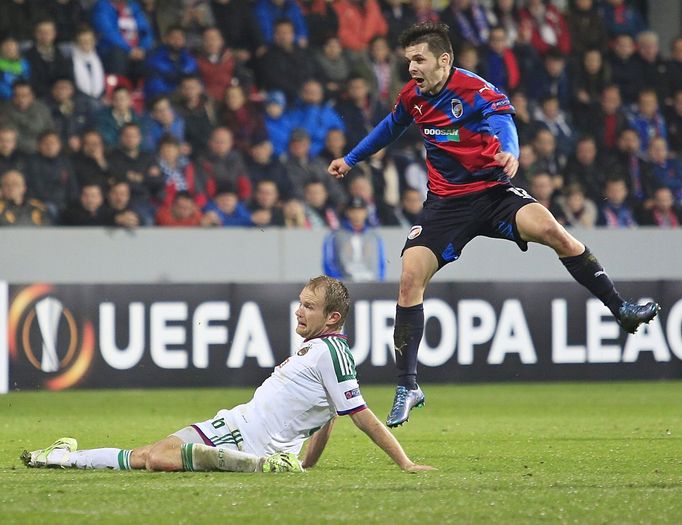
(439, 87)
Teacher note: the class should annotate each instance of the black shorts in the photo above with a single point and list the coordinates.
(445, 226)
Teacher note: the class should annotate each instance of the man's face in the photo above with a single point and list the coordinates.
(412, 201)
(332, 48)
(361, 187)
(190, 89)
(358, 90)
(45, 34)
(311, 93)
(86, 41)
(221, 142)
(163, 112)
(610, 100)
(91, 198)
(23, 97)
(629, 142)
(49, 146)
(663, 199)
(212, 42)
(541, 187)
(648, 48)
(8, 142)
(586, 152)
(357, 217)
(266, 195)
(13, 187)
(310, 318)
(169, 153)
(427, 70)
(498, 40)
(593, 61)
(121, 100)
(658, 150)
(262, 152)
(10, 49)
(616, 192)
(131, 138)
(235, 98)
(183, 208)
(92, 144)
(648, 104)
(315, 194)
(335, 141)
(544, 143)
(227, 202)
(175, 40)
(299, 148)
(62, 90)
(119, 196)
(624, 47)
(284, 35)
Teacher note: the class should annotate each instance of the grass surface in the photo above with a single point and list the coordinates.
(523, 453)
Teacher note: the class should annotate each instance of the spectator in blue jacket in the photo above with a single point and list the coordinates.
(125, 36)
(646, 118)
(168, 64)
(226, 210)
(313, 115)
(355, 251)
(162, 120)
(267, 12)
(621, 18)
(614, 212)
(276, 122)
(12, 66)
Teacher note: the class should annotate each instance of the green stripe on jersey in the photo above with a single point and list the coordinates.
(344, 364)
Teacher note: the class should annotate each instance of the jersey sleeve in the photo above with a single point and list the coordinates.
(491, 100)
(401, 115)
(337, 369)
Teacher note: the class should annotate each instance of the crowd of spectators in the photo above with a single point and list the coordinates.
(227, 112)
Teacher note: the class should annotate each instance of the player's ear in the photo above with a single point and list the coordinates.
(334, 319)
(445, 59)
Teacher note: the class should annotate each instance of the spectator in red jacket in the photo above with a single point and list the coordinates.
(359, 22)
(216, 63)
(549, 27)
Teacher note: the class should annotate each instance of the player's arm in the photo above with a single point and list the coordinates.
(366, 421)
(381, 136)
(317, 443)
(504, 129)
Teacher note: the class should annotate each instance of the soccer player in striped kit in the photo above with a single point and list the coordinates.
(299, 402)
(472, 152)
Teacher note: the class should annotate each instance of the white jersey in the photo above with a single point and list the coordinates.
(302, 394)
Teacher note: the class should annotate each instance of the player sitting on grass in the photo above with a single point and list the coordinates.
(300, 400)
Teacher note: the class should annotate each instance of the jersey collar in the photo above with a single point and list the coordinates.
(328, 334)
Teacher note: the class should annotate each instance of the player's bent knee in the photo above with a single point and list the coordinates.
(411, 282)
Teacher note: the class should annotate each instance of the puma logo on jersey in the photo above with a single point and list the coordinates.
(483, 89)
(419, 108)
(601, 272)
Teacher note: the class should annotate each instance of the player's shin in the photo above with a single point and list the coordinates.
(97, 458)
(202, 457)
(407, 334)
(585, 269)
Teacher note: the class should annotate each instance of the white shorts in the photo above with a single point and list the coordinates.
(219, 431)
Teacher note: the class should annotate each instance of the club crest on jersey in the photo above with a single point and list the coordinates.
(456, 107)
(415, 232)
(303, 351)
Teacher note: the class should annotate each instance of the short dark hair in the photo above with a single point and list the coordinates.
(435, 35)
(336, 296)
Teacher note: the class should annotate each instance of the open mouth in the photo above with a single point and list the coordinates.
(419, 80)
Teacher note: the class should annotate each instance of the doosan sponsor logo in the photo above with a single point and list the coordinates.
(439, 132)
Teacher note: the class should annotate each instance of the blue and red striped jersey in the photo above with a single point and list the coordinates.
(459, 141)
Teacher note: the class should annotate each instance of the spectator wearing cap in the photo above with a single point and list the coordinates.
(277, 123)
(225, 209)
(355, 251)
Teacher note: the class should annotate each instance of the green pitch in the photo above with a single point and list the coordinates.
(519, 454)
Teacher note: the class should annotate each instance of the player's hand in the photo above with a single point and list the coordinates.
(509, 162)
(413, 467)
(338, 168)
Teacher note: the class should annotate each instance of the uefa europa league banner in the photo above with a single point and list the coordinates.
(116, 336)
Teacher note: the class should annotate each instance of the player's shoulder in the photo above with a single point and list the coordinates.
(465, 79)
(408, 91)
(327, 343)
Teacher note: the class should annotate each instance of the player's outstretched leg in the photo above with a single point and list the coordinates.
(585, 269)
(63, 453)
(535, 223)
